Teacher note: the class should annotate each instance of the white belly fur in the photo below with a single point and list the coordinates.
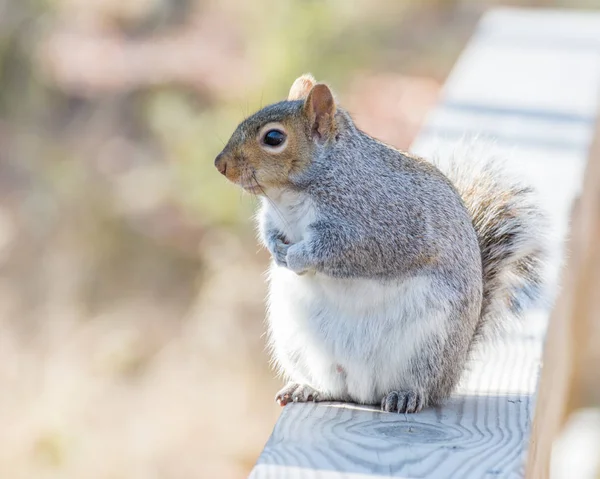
(349, 337)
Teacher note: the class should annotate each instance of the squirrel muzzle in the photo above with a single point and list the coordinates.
(229, 166)
(221, 163)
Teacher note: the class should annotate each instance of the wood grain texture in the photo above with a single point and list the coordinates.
(530, 80)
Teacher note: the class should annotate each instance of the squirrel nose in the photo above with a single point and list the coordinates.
(221, 163)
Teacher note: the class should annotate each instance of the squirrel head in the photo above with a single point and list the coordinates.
(281, 139)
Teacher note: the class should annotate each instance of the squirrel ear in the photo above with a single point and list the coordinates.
(320, 109)
(301, 86)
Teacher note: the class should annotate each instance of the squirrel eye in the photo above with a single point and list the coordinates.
(274, 138)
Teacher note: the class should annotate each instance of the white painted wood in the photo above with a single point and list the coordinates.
(530, 79)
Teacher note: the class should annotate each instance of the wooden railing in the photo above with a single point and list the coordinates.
(530, 80)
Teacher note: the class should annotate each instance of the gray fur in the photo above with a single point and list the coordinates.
(510, 226)
(384, 216)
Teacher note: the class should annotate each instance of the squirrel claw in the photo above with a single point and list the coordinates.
(294, 392)
(402, 402)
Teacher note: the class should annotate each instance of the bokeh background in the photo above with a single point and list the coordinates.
(131, 282)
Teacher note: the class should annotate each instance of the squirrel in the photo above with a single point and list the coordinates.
(385, 271)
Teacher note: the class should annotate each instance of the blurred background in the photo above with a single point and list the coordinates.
(131, 282)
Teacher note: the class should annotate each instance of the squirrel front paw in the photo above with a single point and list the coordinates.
(403, 401)
(294, 392)
(297, 258)
(279, 248)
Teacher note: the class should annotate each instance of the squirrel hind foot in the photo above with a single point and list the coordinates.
(294, 392)
(404, 401)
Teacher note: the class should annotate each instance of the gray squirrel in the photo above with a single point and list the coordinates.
(386, 272)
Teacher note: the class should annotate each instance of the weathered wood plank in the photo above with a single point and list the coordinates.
(571, 374)
(479, 432)
(529, 79)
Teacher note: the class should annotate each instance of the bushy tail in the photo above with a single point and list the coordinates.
(511, 228)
